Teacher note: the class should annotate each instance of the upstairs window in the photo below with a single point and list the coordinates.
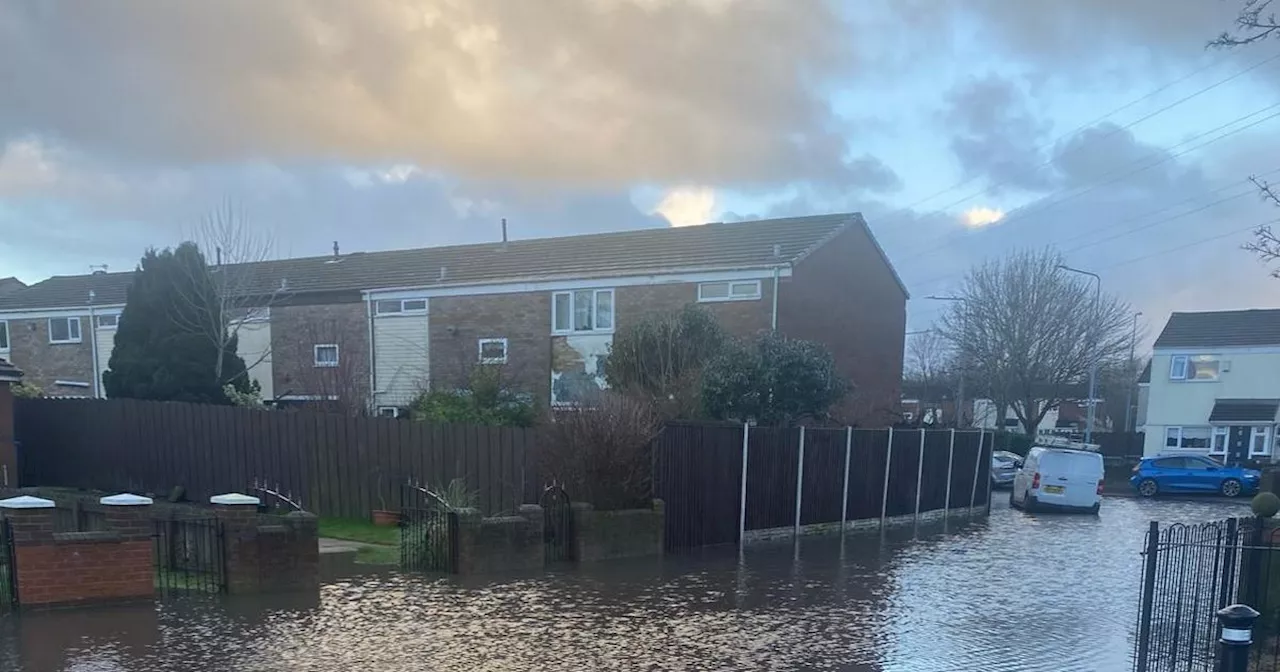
(108, 321)
(493, 351)
(64, 330)
(326, 355)
(738, 290)
(400, 306)
(1194, 367)
(4, 336)
(582, 310)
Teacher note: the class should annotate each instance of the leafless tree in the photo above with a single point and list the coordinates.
(1255, 22)
(340, 388)
(1031, 331)
(928, 357)
(233, 249)
(1265, 244)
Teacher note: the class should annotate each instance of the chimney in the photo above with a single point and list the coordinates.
(444, 271)
(99, 269)
(335, 249)
(777, 251)
(504, 229)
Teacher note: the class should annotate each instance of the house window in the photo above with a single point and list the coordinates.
(388, 412)
(4, 336)
(740, 290)
(326, 355)
(108, 321)
(1219, 446)
(1189, 438)
(1260, 441)
(1194, 367)
(400, 306)
(493, 351)
(582, 310)
(64, 330)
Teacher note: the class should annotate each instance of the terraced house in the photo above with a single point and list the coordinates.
(372, 330)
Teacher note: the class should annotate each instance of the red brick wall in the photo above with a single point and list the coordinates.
(67, 572)
(458, 322)
(845, 296)
(43, 362)
(740, 318)
(297, 329)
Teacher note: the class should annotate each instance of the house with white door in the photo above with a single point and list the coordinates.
(1215, 385)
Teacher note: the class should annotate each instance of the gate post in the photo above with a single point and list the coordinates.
(1237, 636)
(1148, 594)
(238, 516)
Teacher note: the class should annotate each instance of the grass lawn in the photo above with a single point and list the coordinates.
(359, 530)
(378, 555)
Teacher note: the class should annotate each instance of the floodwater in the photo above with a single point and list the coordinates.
(1014, 592)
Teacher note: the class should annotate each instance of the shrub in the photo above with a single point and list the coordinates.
(601, 451)
(1265, 504)
(485, 401)
(26, 391)
(773, 381)
(660, 359)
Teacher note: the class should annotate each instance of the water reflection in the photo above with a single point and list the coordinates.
(1012, 593)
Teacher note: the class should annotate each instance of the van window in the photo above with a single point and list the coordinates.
(1071, 463)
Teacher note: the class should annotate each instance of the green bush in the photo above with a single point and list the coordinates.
(774, 380)
(1265, 504)
(485, 401)
(1014, 442)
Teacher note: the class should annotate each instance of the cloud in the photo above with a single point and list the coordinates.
(976, 218)
(997, 133)
(687, 206)
(586, 91)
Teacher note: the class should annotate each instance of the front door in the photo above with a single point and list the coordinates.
(1238, 445)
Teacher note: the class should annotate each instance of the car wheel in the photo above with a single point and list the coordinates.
(1029, 503)
(1096, 508)
(1231, 488)
(1148, 487)
(1011, 504)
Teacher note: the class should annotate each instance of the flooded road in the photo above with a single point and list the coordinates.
(1014, 592)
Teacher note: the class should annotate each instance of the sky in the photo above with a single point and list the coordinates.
(961, 129)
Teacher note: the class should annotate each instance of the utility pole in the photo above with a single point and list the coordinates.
(1093, 363)
(1132, 381)
(963, 359)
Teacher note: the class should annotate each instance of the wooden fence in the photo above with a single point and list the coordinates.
(336, 465)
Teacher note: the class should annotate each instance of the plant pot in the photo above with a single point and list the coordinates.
(386, 518)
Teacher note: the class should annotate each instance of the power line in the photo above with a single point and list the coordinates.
(1193, 243)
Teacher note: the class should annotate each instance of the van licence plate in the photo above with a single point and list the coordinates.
(1054, 489)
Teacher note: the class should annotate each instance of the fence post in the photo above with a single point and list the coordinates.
(844, 501)
(951, 458)
(1237, 636)
(919, 475)
(799, 483)
(1148, 594)
(742, 502)
(1226, 593)
(888, 459)
(977, 467)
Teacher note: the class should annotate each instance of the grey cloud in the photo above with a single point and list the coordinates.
(996, 133)
(707, 91)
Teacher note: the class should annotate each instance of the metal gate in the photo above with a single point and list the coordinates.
(429, 540)
(1192, 571)
(8, 571)
(189, 556)
(557, 524)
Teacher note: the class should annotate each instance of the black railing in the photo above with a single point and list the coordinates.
(557, 524)
(8, 575)
(189, 556)
(429, 540)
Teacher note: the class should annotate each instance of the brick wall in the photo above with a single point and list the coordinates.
(280, 554)
(43, 362)
(297, 329)
(739, 318)
(845, 296)
(457, 324)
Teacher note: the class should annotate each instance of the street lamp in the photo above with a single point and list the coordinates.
(964, 328)
(1128, 395)
(1093, 364)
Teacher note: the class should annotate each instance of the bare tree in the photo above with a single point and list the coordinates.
(928, 357)
(1255, 22)
(1265, 244)
(339, 383)
(1032, 332)
(233, 249)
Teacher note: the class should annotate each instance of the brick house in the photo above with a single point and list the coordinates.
(376, 328)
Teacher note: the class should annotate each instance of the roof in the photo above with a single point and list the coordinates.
(720, 246)
(1244, 410)
(11, 284)
(1228, 328)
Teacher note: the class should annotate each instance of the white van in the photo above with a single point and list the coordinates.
(1059, 478)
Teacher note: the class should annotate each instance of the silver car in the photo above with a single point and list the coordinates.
(1004, 466)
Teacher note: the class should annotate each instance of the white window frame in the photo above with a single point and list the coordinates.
(1263, 431)
(1219, 432)
(326, 364)
(571, 295)
(4, 327)
(79, 335)
(402, 307)
(491, 360)
(97, 321)
(1181, 368)
(394, 411)
(1180, 432)
(729, 286)
(1178, 367)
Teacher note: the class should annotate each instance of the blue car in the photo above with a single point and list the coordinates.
(1192, 473)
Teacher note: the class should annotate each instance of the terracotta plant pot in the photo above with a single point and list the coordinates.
(386, 518)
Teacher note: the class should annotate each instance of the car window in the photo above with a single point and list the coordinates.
(1199, 464)
(1170, 463)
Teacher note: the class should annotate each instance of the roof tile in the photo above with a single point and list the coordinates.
(1228, 328)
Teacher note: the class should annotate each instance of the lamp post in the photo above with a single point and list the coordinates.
(1128, 394)
(1093, 363)
(964, 364)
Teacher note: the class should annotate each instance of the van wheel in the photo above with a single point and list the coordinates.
(1148, 487)
(1011, 504)
(1231, 488)
(1096, 508)
(1029, 503)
